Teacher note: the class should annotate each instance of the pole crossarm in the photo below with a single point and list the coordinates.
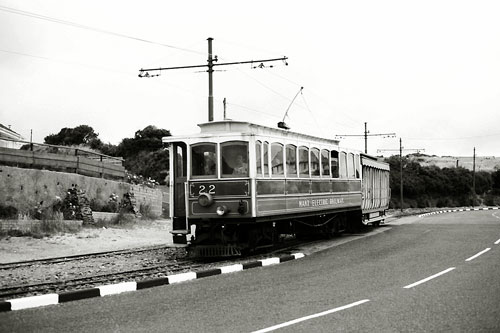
(391, 135)
(405, 149)
(143, 70)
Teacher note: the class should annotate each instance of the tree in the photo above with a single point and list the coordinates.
(495, 178)
(483, 182)
(425, 186)
(144, 153)
(148, 139)
(79, 135)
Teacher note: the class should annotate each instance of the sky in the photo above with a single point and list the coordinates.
(427, 71)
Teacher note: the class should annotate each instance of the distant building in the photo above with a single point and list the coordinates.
(8, 138)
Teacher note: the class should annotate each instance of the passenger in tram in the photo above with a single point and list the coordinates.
(241, 166)
(209, 165)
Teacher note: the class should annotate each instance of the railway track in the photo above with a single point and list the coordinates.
(70, 273)
(96, 280)
(55, 260)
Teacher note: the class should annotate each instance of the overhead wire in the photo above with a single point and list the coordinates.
(65, 62)
(254, 110)
(86, 27)
(312, 114)
(90, 28)
(123, 73)
(354, 121)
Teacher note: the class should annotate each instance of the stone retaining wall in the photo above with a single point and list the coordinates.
(26, 189)
(148, 196)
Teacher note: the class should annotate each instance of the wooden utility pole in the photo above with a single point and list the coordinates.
(210, 81)
(401, 170)
(366, 135)
(366, 139)
(224, 104)
(211, 63)
(474, 174)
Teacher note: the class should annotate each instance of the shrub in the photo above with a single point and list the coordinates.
(147, 212)
(492, 200)
(8, 212)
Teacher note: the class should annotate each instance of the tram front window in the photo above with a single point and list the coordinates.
(204, 160)
(234, 157)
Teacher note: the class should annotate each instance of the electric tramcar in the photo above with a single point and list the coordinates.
(237, 186)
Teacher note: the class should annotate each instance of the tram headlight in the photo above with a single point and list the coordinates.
(222, 210)
(205, 200)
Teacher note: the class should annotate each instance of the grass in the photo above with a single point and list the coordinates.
(121, 219)
(43, 228)
(124, 219)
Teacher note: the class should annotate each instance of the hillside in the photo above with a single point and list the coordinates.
(483, 163)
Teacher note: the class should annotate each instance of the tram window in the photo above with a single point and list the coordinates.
(314, 161)
(303, 162)
(204, 159)
(277, 159)
(325, 163)
(234, 159)
(334, 162)
(357, 165)
(265, 147)
(350, 166)
(258, 157)
(180, 167)
(291, 161)
(342, 165)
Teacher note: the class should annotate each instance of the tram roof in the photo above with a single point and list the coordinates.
(374, 162)
(232, 127)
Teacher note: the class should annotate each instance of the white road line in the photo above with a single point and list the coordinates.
(324, 313)
(429, 278)
(497, 242)
(477, 255)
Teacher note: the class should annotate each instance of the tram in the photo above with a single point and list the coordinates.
(238, 186)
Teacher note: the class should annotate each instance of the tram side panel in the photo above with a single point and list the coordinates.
(306, 197)
(375, 189)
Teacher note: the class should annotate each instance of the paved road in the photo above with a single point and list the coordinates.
(420, 274)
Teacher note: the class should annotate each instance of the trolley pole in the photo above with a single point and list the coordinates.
(211, 63)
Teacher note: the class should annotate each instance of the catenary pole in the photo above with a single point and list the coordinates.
(210, 81)
(401, 171)
(366, 139)
(474, 175)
